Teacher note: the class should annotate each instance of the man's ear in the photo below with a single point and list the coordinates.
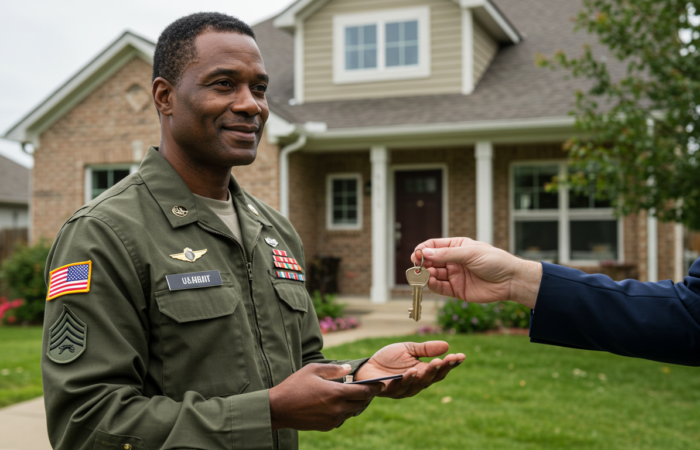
(163, 93)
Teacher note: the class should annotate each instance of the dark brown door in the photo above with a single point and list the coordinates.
(418, 200)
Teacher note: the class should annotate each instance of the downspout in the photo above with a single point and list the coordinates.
(284, 171)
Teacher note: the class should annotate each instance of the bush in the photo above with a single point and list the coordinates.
(463, 317)
(23, 276)
(327, 307)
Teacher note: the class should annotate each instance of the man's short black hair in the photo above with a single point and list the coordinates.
(175, 48)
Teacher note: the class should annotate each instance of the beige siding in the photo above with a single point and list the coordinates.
(446, 49)
(485, 49)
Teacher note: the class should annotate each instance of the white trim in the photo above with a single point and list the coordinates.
(381, 72)
(483, 153)
(380, 158)
(679, 267)
(652, 247)
(80, 86)
(392, 207)
(87, 180)
(329, 201)
(502, 22)
(87, 186)
(467, 51)
(284, 172)
(299, 63)
(562, 215)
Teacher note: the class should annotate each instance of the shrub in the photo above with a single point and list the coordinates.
(23, 276)
(327, 306)
(463, 317)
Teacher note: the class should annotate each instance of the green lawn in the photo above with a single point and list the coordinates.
(510, 394)
(20, 358)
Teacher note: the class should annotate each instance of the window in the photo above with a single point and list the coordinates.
(99, 179)
(571, 226)
(382, 45)
(344, 202)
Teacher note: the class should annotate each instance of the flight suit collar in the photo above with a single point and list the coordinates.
(170, 191)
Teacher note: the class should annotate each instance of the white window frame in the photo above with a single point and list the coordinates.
(87, 194)
(563, 215)
(381, 72)
(329, 201)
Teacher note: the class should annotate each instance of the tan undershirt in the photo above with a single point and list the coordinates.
(226, 212)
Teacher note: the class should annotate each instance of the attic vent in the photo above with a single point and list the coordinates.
(137, 97)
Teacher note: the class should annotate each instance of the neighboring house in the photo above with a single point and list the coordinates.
(14, 195)
(392, 122)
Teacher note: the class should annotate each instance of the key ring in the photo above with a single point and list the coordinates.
(422, 259)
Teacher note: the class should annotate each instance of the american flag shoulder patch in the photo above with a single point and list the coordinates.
(69, 279)
(290, 275)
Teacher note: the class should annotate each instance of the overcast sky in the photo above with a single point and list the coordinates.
(43, 43)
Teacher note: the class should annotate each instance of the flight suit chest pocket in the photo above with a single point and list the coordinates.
(293, 306)
(202, 342)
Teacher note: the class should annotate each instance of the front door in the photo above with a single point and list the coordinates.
(418, 200)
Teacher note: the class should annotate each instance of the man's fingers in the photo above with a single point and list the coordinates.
(449, 362)
(362, 392)
(427, 349)
(329, 371)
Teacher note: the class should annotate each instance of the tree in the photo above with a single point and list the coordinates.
(639, 137)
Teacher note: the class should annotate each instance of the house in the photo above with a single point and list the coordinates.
(14, 195)
(392, 121)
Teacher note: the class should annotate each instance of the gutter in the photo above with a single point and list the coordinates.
(284, 171)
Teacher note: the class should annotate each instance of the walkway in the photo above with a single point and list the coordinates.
(23, 426)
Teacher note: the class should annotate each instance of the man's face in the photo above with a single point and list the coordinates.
(219, 106)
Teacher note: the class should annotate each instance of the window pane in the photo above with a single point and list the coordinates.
(369, 34)
(352, 36)
(392, 57)
(538, 240)
(411, 57)
(370, 59)
(100, 179)
(530, 182)
(411, 30)
(352, 60)
(392, 32)
(119, 175)
(593, 240)
(344, 202)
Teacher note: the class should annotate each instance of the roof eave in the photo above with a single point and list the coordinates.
(493, 18)
(79, 86)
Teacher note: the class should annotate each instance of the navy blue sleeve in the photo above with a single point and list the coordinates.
(657, 321)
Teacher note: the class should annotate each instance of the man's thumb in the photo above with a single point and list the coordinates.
(332, 371)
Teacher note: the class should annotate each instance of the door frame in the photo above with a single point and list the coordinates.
(392, 208)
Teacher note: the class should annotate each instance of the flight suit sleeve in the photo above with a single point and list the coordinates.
(94, 394)
(656, 321)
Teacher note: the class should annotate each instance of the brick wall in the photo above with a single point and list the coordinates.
(114, 124)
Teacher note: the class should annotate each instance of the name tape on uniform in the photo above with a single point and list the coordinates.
(194, 280)
(290, 275)
(282, 265)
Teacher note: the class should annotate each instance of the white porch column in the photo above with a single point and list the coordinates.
(652, 247)
(484, 191)
(379, 292)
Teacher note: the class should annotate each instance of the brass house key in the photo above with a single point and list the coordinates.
(417, 277)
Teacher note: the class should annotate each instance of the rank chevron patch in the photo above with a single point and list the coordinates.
(67, 338)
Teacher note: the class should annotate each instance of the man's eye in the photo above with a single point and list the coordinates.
(224, 83)
(261, 88)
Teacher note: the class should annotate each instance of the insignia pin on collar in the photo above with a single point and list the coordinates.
(252, 208)
(271, 242)
(180, 211)
(189, 255)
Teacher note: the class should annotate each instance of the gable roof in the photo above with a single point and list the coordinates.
(489, 14)
(80, 85)
(14, 182)
(513, 88)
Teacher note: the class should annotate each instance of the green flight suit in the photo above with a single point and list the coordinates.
(173, 369)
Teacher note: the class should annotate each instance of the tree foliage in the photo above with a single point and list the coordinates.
(639, 130)
(23, 274)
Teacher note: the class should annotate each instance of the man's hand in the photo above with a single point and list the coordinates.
(478, 272)
(308, 401)
(403, 359)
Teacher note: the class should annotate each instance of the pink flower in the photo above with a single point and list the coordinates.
(11, 319)
(17, 303)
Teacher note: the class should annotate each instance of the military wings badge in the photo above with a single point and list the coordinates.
(189, 255)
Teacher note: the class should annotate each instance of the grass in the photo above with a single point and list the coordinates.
(20, 360)
(511, 394)
(508, 394)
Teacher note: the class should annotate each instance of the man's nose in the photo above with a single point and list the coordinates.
(246, 103)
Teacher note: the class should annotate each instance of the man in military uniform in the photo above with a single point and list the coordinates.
(177, 315)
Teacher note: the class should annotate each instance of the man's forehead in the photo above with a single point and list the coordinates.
(213, 44)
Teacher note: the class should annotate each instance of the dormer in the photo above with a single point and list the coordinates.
(353, 49)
